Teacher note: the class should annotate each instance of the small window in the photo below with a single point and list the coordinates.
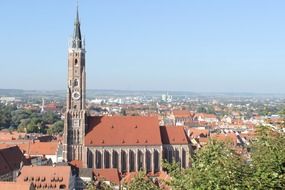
(75, 82)
(62, 186)
(75, 62)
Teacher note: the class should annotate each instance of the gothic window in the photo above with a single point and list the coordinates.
(75, 62)
(75, 82)
(115, 159)
(183, 158)
(78, 137)
(140, 160)
(148, 161)
(132, 161)
(170, 156)
(156, 161)
(90, 158)
(98, 159)
(124, 161)
(177, 157)
(106, 159)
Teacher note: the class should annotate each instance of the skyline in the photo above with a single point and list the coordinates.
(162, 45)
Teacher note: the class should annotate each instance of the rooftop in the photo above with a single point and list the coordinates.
(122, 131)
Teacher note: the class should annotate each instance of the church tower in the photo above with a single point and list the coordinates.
(75, 115)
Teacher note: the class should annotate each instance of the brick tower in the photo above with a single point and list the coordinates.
(75, 115)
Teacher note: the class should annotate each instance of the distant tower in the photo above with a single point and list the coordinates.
(75, 116)
(43, 106)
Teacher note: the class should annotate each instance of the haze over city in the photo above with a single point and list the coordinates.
(209, 46)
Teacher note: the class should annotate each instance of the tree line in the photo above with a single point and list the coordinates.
(29, 121)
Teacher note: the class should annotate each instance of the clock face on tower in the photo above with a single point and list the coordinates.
(76, 95)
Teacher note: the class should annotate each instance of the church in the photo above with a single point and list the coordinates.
(128, 143)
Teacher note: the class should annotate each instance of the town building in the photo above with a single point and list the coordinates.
(48, 177)
(11, 161)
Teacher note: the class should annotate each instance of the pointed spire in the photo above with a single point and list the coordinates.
(76, 41)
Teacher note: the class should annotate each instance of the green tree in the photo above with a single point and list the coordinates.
(141, 182)
(50, 117)
(56, 128)
(5, 116)
(268, 160)
(215, 166)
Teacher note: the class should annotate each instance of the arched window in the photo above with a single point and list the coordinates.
(98, 159)
(140, 160)
(115, 159)
(148, 161)
(75, 82)
(183, 158)
(156, 160)
(123, 161)
(106, 159)
(132, 161)
(177, 157)
(90, 158)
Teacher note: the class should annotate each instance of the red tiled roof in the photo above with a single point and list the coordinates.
(227, 138)
(35, 148)
(205, 115)
(4, 166)
(194, 132)
(76, 163)
(182, 113)
(7, 135)
(203, 140)
(129, 176)
(109, 174)
(10, 159)
(173, 135)
(43, 148)
(46, 176)
(15, 185)
(122, 130)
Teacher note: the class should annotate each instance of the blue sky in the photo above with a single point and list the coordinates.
(200, 46)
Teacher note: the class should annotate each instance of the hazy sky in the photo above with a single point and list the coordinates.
(200, 46)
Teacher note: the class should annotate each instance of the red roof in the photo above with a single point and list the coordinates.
(15, 185)
(196, 132)
(4, 166)
(35, 148)
(10, 159)
(173, 135)
(122, 130)
(109, 174)
(226, 138)
(76, 163)
(205, 115)
(44, 177)
(182, 113)
(43, 148)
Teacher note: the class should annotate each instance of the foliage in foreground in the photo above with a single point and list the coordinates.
(216, 166)
(141, 182)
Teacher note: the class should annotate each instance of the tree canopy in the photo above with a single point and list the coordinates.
(217, 166)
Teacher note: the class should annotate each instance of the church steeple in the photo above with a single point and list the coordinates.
(75, 115)
(76, 40)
